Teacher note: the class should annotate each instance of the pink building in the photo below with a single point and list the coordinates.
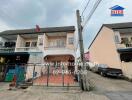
(113, 46)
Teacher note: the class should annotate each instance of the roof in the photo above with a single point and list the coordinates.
(121, 27)
(117, 7)
(42, 30)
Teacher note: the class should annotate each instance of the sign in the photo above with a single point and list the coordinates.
(117, 11)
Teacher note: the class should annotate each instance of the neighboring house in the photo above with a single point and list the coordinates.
(53, 44)
(113, 46)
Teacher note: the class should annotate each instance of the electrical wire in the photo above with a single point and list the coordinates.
(92, 12)
(85, 7)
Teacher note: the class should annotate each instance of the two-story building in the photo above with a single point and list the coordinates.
(113, 46)
(52, 44)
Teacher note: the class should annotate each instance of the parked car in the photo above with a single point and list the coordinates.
(105, 70)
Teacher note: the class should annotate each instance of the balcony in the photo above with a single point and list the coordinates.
(121, 46)
(61, 50)
(7, 50)
(27, 49)
(55, 47)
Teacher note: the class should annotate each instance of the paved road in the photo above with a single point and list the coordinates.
(114, 89)
(105, 89)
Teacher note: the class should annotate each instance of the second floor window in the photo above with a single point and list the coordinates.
(71, 40)
(33, 44)
(27, 44)
(117, 40)
(57, 43)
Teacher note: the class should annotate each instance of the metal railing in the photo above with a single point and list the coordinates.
(28, 49)
(3, 50)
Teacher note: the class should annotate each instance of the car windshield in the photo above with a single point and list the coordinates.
(103, 66)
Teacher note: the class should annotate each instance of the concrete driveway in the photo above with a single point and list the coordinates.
(105, 89)
(113, 88)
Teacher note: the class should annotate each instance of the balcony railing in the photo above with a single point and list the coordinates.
(7, 50)
(28, 49)
(129, 45)
(55, 47)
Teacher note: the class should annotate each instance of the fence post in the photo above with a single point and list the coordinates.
(33, 73)
(48, 76)
(63, 75)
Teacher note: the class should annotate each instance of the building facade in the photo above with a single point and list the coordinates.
(53, 44)
(113, 46)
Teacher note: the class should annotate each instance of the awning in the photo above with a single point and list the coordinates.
(15, 57)
(125, 50)
(14, 53)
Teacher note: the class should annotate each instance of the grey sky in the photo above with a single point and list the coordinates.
(15, 14)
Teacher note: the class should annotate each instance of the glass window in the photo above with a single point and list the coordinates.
(27, 44)
(34, 44)
(71, 40)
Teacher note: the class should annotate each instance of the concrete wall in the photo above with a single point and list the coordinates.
(127, 69)
(103, 50)
(20, 42)
(3, 40)
(45, 40)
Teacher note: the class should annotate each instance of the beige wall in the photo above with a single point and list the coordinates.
(45, 40)
(48, 39)
(20, 42)
(103, 50)
(127, 69)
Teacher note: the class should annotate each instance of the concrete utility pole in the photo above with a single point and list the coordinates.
(82, 77)
(80, 35)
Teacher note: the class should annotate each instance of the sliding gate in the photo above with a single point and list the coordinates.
(48, 75)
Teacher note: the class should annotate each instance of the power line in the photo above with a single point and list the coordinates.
(92, 12)
(85, 7)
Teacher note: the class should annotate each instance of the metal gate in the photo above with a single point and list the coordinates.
(48, 75)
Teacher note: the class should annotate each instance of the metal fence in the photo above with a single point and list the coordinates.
(39, 74)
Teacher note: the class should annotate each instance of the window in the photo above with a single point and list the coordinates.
(27, 44)
(60, 43)
(117, 39)
(71, 40)
(33, 44)
(57, 43)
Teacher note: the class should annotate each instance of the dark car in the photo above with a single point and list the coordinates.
(104, 70)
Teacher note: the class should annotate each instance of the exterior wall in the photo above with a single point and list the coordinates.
(3, 40)
(68, 49)
(36, 58)
(103, 50)
(127, 69)
(41, 47)
(45, 40)
(70, 46)
(20, 42)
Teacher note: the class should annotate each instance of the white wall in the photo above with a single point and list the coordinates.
(3, 40)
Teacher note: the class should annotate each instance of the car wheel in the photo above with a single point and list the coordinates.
(102, 74)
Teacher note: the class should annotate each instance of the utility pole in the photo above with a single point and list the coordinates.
(82, 77)
(80, 35)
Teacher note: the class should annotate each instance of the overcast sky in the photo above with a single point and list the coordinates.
(18, 14)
